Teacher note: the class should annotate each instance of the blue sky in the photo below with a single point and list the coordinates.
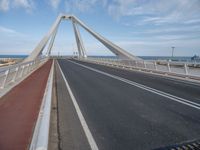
(142, 27)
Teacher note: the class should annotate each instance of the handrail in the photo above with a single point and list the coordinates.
(11, 74)
(181, 69)
(13, 66)
(41, 132)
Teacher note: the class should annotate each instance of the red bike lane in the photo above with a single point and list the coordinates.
(19, 110)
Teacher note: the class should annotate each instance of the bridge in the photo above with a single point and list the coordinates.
(124, 102)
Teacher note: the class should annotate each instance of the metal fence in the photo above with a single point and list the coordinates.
(11, 74)
(183, 69)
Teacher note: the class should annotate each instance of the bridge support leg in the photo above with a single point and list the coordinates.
(41, 45)
(111, 46)
(79, 41)
(51, 42)
(121, 53)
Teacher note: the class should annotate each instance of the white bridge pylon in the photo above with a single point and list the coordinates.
(118, 51)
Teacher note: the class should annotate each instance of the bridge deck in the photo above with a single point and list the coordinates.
(123, 110)
(19, 110)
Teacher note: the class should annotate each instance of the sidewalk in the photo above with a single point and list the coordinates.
(19, 110)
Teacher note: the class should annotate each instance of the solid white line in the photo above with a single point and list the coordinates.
(88, 134)
(158, 92)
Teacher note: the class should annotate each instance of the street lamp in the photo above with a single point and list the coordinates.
(173, 51)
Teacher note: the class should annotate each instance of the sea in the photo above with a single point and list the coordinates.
(177, 58)
(13, 56)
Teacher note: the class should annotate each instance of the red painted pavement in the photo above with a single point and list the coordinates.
(19, 110)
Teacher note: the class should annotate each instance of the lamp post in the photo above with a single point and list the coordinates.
(173, 51)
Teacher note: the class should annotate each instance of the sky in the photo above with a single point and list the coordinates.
(142, 27)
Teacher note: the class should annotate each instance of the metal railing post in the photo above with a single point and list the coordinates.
(26, 71)
(186, 69)
(29, 67)
(118, 63)
(15, 76)
(5, 79)
(34, 63)
(145, 65)
(168, 66)
(136, 63)
(129, 63)
(155, 64)
(22, 71)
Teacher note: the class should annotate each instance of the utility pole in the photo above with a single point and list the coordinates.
(173, 51)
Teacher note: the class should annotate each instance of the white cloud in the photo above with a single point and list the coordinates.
(27, 4)
(4, 5)
(191, 21)
(159, 12)
(161, 30)
(83, 5)
(7, 30)
(185, 13)
(8, 33)
(54, 3)
(120, 8)
(149, 11)
(14, 42)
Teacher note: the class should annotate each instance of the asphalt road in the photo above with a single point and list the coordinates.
(123, 116)
(70, 132)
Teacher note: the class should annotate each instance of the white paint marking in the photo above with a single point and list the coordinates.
(88, 134)
(158, 92)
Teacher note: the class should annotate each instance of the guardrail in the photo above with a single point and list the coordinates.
(181, 69)
(41, 132)
(13, 73)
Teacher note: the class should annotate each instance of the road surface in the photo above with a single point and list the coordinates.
(123, 109)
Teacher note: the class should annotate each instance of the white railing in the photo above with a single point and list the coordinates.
(40, 137)
(190, 70)
(11, 74)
